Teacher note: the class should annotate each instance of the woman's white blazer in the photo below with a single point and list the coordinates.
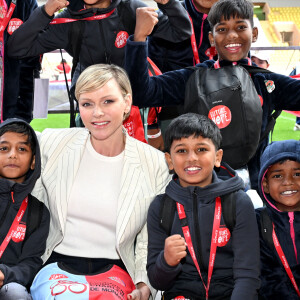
(144, 175)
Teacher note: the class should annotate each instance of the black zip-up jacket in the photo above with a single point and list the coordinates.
(236, 270)
(99, 45)
(275, 283)
(21, 260)
(172, 56)
(19, 74)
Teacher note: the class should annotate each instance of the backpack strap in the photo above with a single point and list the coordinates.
(266, 227)
(229, 210)
(75, 38)
(166, 214)
(34, 216)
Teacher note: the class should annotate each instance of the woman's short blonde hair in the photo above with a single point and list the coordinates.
(96, 76)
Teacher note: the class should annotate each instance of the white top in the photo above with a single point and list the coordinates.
(92, 208)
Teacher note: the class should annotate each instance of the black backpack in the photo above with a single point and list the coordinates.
(228, 96)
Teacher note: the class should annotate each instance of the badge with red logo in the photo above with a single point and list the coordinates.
(220, 115)
(121, 39)
(223, 236)
(19, 235)
(211, 52)
(180, 298)
(270, 85)
(13, 25)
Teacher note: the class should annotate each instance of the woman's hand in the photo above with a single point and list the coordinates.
(175, 249)
(141, 293)
(146, 19)
(52, 6)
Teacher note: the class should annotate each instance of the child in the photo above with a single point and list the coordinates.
(21, 248)
(279, 187)
(192, 151)
(232, 34)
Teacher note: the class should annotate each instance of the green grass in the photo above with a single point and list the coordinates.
(283, 129)
(52, 121)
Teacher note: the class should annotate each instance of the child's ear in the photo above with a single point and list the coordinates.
(169, 161)
(265, 186)
(211, 39)
(32, 166)
(254, 34)
(219, 155)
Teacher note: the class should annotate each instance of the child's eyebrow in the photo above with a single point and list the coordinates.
(198, 144)
(224, 22)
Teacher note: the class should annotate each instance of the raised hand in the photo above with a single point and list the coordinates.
(52, 6)
(146, 19)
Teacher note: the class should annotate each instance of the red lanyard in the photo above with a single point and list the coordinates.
(14, 226)
(234, 63)
(69, 20)
(284, 261)
(7, 16)
(194, 43)
(213, 245)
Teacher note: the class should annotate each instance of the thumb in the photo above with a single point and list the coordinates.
(133, 295)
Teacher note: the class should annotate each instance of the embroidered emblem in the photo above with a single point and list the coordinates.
(270, 85)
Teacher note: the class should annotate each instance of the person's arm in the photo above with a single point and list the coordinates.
(245, 246)
(30, 260)
(174, 25)
(162, 90)
(161, 275)
(36, 36)
(286, 94)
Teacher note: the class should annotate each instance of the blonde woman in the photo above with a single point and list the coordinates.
(98, 183)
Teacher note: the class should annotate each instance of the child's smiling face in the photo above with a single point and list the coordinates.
(233, 38)
(193, 160)
(282, 182)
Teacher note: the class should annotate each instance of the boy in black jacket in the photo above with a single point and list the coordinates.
(24, 221)
(225, 264)
(279, 187)
(232, 33)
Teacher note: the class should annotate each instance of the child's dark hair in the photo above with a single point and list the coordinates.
(192, 124)
(21, 128)
(230, 9)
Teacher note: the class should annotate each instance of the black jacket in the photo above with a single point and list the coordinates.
(236, 270)
(19, 74)
(275, 283)
(21, 260)
(36, 36)
(172, 56)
